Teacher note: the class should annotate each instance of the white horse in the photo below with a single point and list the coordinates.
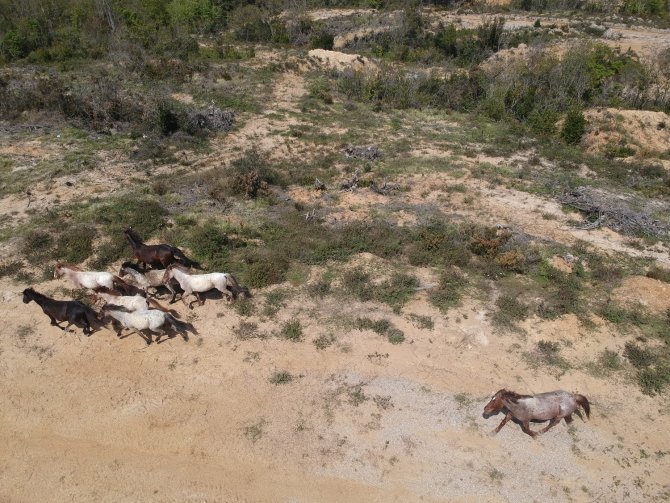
(87, 279)
(196, 284)
(130, 302)
(152, 278)
(152, 320)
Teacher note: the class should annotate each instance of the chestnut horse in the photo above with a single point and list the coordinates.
(72, 311)
(552, 406)
(152, 254)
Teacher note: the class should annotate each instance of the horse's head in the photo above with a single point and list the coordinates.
(28, 295)
(495, 404)
(169, 273)
(58, 272)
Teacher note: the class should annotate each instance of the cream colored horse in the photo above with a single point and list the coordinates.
(195, 284)
(87, 279)
(152, 320)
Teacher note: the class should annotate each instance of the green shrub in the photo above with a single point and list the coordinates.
(449, 291)
(75, 245)
(281, 377)
(639, 357)
(654, 380)
(291, 330)
(396, 291)
(574, 127)
(510, 310)
(395, 336)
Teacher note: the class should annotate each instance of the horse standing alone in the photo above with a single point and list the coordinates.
(552, 406)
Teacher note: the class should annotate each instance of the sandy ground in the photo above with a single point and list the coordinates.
(107, 419)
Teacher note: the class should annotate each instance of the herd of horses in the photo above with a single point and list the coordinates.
(126, 297)
(128, 303)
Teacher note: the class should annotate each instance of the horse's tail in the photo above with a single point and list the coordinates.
(183, 259)
(161, 307)
(180, 326)
(581, 400)
(236, 288)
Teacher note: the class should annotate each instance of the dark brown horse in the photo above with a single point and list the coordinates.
(163, 254)
(72, 311)
(552, 406)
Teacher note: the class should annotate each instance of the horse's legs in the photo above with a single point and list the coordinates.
(526, 429)
(568, 418)
(200, 299)
(503, 422)
(554, 421)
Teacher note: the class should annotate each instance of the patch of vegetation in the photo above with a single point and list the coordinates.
(659, 273)
(281, 377)
(510, 310)
(548, 353)
(247, 330)
(382, 327)
(421, 321)
(324, 341)
(291, 330)
(254, 432)
(397, 290)
(639, 357)
(10, 268)
(448, 292)
(654, 380)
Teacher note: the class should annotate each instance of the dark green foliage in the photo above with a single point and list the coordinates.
(10, 268)
(396, 291)
(357, 283)
(654, 380)
(281, 377)
(659, 273)
(291, 330)
(574, 127)
(549, 353)
(562, 292)
(449, 291)
(639, 357)
(381, 327)
(510, 310)
(75, 245)
(652, 8)
(440, 244)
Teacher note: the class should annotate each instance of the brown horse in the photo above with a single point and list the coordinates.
(552, 406)
(154, 254)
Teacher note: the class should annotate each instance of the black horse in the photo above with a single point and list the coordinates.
(162, 254)
(72, 311)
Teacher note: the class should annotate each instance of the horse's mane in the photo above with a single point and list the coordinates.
(178, 266)
(32, 291)
(134, 235)
(69, 266)
(512, 396)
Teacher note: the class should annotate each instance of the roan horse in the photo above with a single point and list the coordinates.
(198, 283)
(152, 320)
(72, 311)
(161, 253)
(92, 280)
(552, 406)
(152, 278)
